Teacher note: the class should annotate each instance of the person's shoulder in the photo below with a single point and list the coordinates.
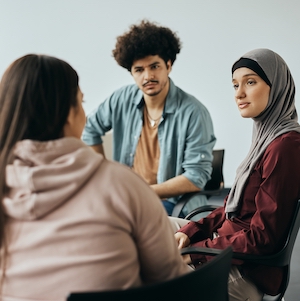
(190, 103)
(119, 179)
(127, 89)
(187, 99)
(288, 139)
(283, 152)
(292, 135)
(287, 143)
(120, 171)
(126, 93)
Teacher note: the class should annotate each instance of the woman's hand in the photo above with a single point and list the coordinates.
(182, 240)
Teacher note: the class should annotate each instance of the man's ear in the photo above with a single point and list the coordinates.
(169, 66)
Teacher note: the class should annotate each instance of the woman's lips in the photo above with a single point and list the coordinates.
(243, 105)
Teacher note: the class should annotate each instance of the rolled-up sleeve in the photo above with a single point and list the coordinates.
(200, 140)
(98, 122)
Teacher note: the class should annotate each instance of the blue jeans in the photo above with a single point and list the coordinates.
(168, 206)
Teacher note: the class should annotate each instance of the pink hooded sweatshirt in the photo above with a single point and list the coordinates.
(78, 222)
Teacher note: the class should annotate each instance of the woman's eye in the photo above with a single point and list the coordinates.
(235, 86)
(251, 82)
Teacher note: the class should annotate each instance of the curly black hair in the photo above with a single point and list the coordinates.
(146, 39)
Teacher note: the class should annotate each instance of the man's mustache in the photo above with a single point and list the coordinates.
(150, 81)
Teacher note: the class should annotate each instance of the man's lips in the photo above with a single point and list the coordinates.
(150, 83)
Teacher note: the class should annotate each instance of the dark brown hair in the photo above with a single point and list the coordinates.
(36, 94)
(143, 40)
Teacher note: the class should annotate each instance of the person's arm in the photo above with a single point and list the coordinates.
(149, 228)
(183, 241)
(99, 121)
(173, 187)
(271, 195)
(198, 147)
(98, 148)
(199, 231)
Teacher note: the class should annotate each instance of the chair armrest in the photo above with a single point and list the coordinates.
(198, 250)
(183, 201)
(187, 196)
(268, 260)
(206, 208)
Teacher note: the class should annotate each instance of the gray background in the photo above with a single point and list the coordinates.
(213, 33)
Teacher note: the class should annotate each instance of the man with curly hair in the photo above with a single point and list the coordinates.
(161, 132)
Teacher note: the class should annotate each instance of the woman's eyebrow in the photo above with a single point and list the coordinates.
(248, 74)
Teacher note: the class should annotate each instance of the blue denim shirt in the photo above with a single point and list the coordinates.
(185, 134)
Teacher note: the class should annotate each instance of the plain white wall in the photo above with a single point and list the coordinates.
(214, 34)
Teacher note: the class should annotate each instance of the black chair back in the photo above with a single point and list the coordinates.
(213, 187)
(216, 183)
(208, 283)
(281, 258)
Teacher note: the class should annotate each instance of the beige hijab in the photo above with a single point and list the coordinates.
(279, 117)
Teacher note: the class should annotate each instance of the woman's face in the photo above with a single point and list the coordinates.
(251, 92)
(76, 119)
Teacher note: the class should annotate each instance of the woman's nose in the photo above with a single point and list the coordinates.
(239, 93)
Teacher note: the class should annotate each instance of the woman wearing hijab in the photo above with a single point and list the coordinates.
(69, 219)
(259, 208)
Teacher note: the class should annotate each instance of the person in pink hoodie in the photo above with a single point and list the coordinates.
(70, 219)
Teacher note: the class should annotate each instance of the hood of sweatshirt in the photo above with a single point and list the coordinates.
(44, 175)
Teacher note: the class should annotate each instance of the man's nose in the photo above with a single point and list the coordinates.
(148, 74)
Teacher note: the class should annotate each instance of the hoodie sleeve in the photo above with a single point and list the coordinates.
(151, 230)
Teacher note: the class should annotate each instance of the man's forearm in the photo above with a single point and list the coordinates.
(98, 148)
(174, 187)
